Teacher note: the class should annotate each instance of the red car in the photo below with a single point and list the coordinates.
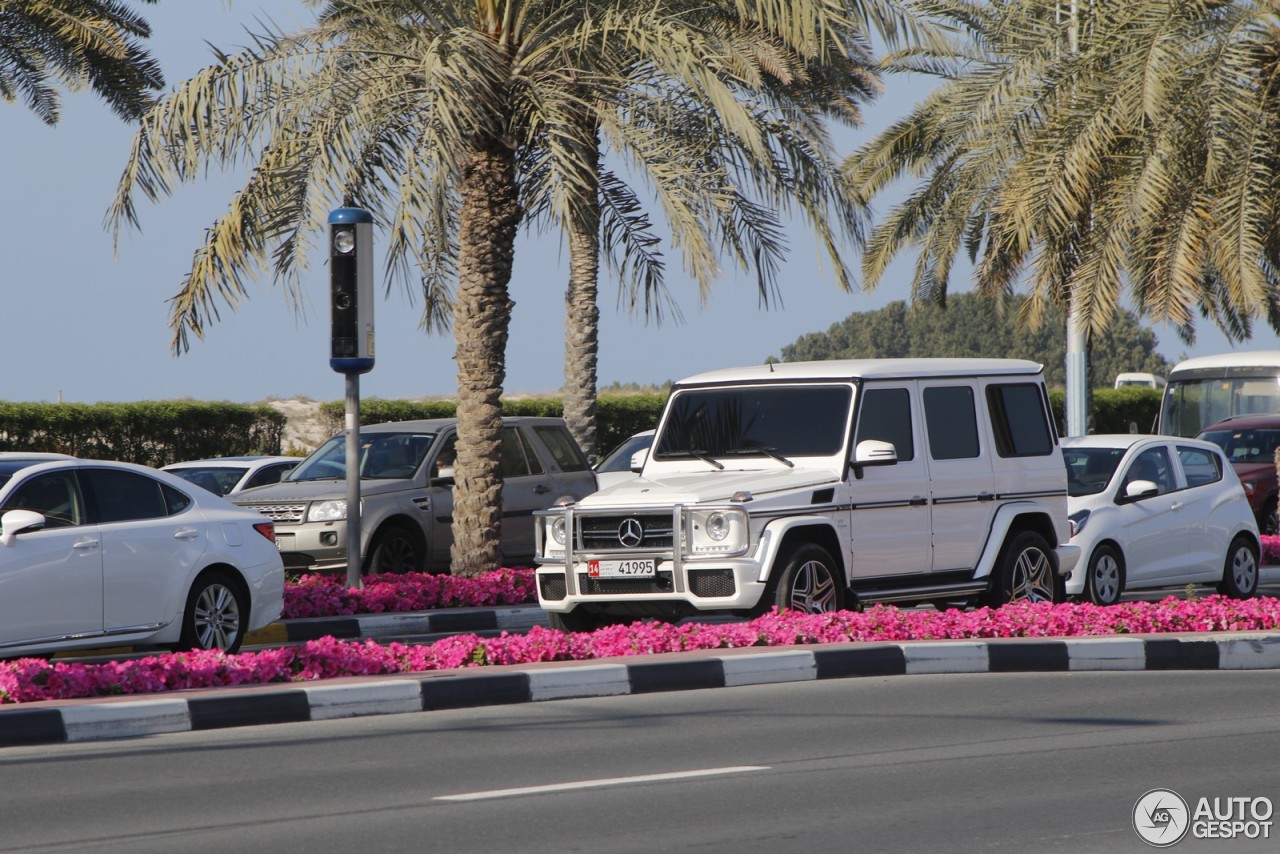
(1250, 442)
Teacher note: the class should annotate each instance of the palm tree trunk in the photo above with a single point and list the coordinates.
(582, 319)
(488, 219)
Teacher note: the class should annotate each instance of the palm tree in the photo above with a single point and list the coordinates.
(452, 122)
(78, 43)
(1144, 153)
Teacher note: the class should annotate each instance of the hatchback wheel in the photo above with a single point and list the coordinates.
(1105, 581)
(1240, 574)
(216, 616)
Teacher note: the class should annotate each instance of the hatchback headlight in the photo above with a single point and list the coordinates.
(328, 511)
(1078, 520)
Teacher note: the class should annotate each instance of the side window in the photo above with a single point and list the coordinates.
(55, 496)
(1154, 465)
(269, 474)
(447, 458)
(175, 501)
(1018, 420)
(123, 496)
(951, 422)
(1200, 466)
(566, 452)
(514, 462)
(530, 454)
(885, 414)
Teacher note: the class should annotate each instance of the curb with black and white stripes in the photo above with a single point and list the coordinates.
(518, 618)
(46, 723)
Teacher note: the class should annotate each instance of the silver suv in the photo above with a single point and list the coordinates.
(816, 486)
(406, 495)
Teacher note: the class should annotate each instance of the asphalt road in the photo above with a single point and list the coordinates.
(981, 763)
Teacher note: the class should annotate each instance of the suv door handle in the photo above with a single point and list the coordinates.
(541, 489)
(986, 496)
(917, 501)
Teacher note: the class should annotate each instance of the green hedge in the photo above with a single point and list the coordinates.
(149, 432)
(1114, 409)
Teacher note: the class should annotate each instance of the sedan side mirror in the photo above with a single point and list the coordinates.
(16, 521)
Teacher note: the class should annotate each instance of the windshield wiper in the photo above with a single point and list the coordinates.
(701, 455)
(759, 449)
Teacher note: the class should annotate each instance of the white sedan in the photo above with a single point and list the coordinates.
(1157, 511)
(95, 553)
(227, 475)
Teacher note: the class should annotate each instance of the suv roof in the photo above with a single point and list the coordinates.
(848, 369)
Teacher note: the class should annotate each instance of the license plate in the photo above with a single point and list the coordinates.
(646, 568)
(284, 542)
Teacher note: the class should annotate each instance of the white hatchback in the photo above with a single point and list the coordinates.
(95, 553)
(1157, 511)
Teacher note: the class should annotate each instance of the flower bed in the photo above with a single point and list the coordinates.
(329, 596)
(28, 680)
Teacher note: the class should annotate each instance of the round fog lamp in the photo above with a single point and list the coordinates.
(717, 526)
(344, 240)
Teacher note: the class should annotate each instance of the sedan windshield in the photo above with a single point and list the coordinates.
(1245, 446)
(1089, 470)
(382, 455)
(767, 421)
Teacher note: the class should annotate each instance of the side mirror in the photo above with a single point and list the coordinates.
(873, 452)
(1137, 489)
(16, 521)
(638, 460)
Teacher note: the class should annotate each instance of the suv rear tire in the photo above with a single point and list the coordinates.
(1025, 572)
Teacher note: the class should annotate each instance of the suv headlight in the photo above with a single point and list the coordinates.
(556, 526)
(328, 511)
(720, 531)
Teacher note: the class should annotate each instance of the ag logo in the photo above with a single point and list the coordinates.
(1161, 818)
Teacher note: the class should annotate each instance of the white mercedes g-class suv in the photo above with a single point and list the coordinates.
(817, 486)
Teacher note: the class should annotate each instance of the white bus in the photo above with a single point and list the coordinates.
(1207, 389)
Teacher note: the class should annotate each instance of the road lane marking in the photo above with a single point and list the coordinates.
(595, 784)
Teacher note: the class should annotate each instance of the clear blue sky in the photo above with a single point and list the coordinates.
(81, 324)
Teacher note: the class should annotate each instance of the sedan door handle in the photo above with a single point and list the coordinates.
(186, 534)
(85, 545)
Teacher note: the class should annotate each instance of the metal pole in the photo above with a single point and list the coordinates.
(353, 481)
(1077, 342)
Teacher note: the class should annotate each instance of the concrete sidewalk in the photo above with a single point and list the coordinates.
(137, 715)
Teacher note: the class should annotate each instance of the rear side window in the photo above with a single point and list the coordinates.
(1200, 466)
(124, 496)
(885, 414)
(1018, 420)
(951, 422)
(562, 447)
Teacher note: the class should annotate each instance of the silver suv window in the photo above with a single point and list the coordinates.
(382, 455)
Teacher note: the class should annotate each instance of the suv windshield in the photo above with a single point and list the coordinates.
(1245, 446)
(1089, 470)
(767, 421)
(382, 455)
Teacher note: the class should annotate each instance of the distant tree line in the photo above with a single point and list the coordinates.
(976, 326)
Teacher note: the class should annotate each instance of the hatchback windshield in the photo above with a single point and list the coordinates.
(1089, 470)
(1245, 446)
(382, 455)
(786, 421)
